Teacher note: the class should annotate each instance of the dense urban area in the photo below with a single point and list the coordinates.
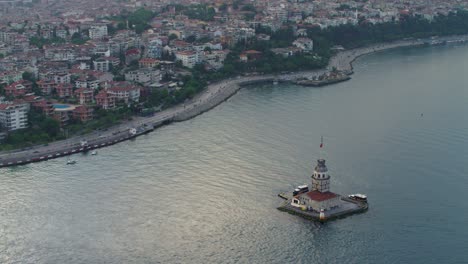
(71, 67)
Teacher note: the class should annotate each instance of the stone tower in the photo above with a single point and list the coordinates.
(320, 178)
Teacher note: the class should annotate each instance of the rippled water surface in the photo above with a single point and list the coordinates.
(204, 191)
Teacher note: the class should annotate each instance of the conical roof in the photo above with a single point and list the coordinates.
(321, 167)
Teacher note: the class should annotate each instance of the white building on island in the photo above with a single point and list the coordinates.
(319, 197)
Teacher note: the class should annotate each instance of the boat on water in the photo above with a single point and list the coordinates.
(300, 189)
(358, 197)
(70, 162)
(94, 152)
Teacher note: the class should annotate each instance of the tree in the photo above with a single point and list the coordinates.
(223, 7)
(77, 39)
(121, 26)
(111, 29)
(191, 39)
(29, 76)
(50, 126)
(248, 7)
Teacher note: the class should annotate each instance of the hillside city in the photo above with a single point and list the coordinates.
(71, 67)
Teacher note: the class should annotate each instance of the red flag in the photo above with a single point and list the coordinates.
(321, 142)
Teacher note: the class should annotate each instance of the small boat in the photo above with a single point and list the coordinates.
(70, 162)
(358, 197)
(94, 152)
(301, 189)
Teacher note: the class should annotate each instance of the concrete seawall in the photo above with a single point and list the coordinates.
(218, 98)
(213, 95)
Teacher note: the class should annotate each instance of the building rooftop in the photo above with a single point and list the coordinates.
(319, 196)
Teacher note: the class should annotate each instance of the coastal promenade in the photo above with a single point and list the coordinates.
(213, 95)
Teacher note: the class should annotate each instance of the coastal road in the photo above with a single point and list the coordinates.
(213, 95)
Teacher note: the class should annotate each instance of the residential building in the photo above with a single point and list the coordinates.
(10, 76)
(132, 55)
(286, 52)
(18, 88)
(250, 55)
(63, 77)
(305, 44)
(101, 64)
(83, 113)
(97, 31)
(126, 92)
(188, 58)
(106, 99)
(64, 90)
(14, 116)
(154, 49)
(46, 86)
(148, 63)
(85, 96)
(215, 58)
(144, 76)
(40, 104)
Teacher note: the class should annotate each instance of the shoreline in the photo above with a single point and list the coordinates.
(214, 94)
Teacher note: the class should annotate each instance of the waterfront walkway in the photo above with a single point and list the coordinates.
(213, 95)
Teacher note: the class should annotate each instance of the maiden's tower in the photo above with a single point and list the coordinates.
(318, 202)
(319, 197)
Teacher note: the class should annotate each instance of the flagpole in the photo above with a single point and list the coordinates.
(321, 147)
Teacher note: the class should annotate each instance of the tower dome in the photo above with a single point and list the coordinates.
(320, 177)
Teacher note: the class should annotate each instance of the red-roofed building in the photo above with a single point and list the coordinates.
(148, 63)
(105, 99)
(43, 106)
(132, 55)
(83, 113)
(84, 96)
(38, 103)
(46, 86)
(250, 55)
(64, 90)
(19, 88)
(319, 198)
(125, 92)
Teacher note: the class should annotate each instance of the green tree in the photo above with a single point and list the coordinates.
(29, 76)
(2, 89)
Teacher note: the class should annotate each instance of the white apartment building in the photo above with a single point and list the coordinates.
(188, 58)
(305, 44)
(97, 31)
(101, 65)
(144, 76)
(14, 116)
(126, 93)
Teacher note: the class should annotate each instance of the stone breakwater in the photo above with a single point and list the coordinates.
(212, 96)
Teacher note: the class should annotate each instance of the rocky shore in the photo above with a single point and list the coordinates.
(212, 96)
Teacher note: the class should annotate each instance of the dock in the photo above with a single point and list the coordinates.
(325, 79)
(347, 208)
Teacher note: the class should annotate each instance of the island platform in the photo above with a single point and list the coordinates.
(318, 203)
(347, 208)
